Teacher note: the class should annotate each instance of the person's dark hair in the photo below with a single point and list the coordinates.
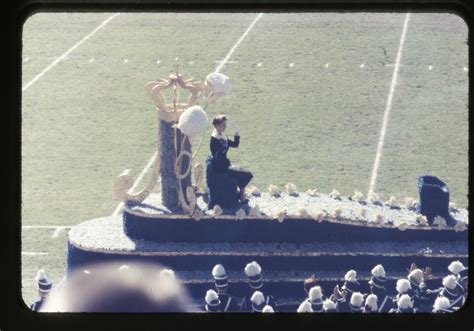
(309, 283)
(219, 119)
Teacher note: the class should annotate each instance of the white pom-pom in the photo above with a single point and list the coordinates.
(334, 194)
(253, 190)
(328, 304)
(280, 215)
(217, 211)
(357, 299)
(421, 219)
(273, 190)
(452, 205)
(312, 192)
(416, 275)
(211, 296)
(449, 282)
(315, 293)
(403, 285)
(371, 302)
(358, 196)
(219, 84)
(409, 202)
(415, 203)
(240, 214)
(267, 309)
(319, 215)
(252, 269)
(392, 201)
(379, 218)
(441, 303)
(218, 271)
(337, 212)
(378, 271)
(305, 307)
(350, 276)
(255, 211)
(257, 298)
(439, 221)
(372, 196)
(40, 275)
(405, 302)
(303, 212)
(193, 121)
(291, 189)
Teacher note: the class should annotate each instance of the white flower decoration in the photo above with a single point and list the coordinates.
(439, 221)
(319, 215)
(392, 201)
(337, 212)
(421, 220)
(379, 218)
(452, 205)
(291, 189)
(403, 226)
(372, 196)
(409, 202)
(240, 214)
(255, 211)
(312, 192)
(334, 194)
(273, 190)
(280, 215)
(217, 211)
(303, 212)
(358, 196)
(198, 214)
(253, 190)
(460, 226)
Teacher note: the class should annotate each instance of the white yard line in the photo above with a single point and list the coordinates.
(46, 226)
(218, 68)
(227, 57)
(388, 107)
(34, 253)
(62, 57)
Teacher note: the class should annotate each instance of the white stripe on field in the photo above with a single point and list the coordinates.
(62, 57)
(33, 253)
(223, 62)
(218, 68)
(388, 107)
(45, 226)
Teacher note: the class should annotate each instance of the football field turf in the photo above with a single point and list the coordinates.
(310, 92)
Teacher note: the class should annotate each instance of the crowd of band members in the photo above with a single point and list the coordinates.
(410, 295)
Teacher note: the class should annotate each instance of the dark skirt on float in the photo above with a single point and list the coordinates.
(222, 178)
(242, 176)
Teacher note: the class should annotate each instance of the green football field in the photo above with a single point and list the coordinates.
(313, 94)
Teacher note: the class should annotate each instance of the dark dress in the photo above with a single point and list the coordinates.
(223, 181)
(220, 162)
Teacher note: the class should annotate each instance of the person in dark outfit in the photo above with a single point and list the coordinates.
(220, 145)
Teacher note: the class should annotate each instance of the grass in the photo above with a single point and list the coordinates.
(84, 123)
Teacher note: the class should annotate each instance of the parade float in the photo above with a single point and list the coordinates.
(291, 234)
